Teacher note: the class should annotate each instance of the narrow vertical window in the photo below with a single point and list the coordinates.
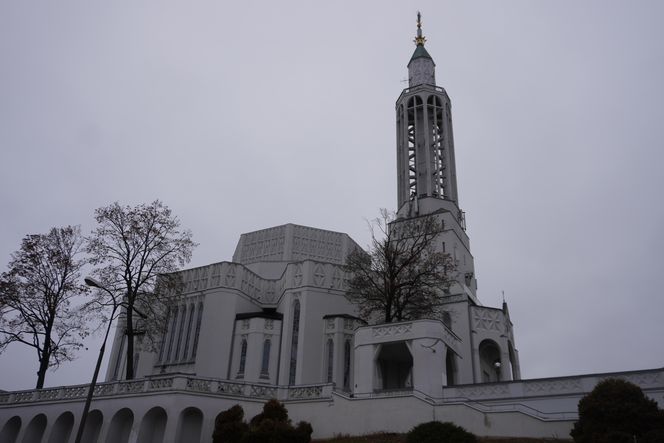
(118, 358)
(265, 364)
(185, 353)
(199, 318)
(243, 359)
(330, 360)
(162, 348)
(172, 334)
(136, 356)
(347, 365)
(294, 340)
(183, 318)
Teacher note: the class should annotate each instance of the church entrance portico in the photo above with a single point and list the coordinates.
(408, 356)
(394, 365)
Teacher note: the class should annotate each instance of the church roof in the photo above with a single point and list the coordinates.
(420, 52)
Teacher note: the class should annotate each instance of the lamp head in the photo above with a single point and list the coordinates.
(92, 282)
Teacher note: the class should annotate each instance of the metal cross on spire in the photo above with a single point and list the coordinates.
(419, 39)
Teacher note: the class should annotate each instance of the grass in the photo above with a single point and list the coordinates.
(401, 438)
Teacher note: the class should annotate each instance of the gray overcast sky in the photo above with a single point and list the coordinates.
(248, 115)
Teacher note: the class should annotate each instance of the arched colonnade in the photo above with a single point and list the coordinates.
(121, 426)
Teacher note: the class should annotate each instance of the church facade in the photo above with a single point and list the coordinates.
(277, 313)
(274, 322)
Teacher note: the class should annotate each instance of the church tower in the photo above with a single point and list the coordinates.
(425, 145)
(427, 186)
(426, 169)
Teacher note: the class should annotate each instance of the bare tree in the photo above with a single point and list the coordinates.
(131, 247)
(402, 276)
(37, 298)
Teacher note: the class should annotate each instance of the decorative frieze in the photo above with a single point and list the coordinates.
(235, 276)
(305, 392)
(48, 394)
(553, 386)
(23, 396)
(319, 276)
(231, 388)
(646, 379)
(392, 330)
(131, 387)
(76, 392)
(161, 383)
(198, 385)
(104, 390)
(482, 391)
(263, 245)
(297, 275)
(487, 319)
(337, 278)
(230, 276)
(263, 391)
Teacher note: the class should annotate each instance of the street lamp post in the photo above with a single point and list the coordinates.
(95, 284)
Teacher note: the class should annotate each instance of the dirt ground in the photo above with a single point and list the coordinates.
(401, 438)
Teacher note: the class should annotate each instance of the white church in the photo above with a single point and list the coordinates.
(275, 323)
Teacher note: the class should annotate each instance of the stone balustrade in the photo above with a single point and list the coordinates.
(559, 386)
(174, 383)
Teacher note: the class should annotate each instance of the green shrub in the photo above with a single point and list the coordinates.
(270, 426)
(614, 411)
(437, 432)
(229, 426)
(272, 410)
(303, 432)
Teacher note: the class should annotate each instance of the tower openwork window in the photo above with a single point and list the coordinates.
(415, 121)
(436, 148)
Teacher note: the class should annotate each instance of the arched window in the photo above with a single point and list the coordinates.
(347, 365)
(294, 340)
(265, 365)
(490, 362)
(330, 360)
(243, 359)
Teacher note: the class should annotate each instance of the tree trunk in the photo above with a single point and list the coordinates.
(130, 343)
(43, 367)
(45, 354)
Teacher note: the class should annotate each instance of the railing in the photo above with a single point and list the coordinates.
(173, 383)
(421, 88)
(473, 404)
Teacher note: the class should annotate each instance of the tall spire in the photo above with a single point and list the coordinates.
(421, 68)
(419, 39)
(425, 147)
